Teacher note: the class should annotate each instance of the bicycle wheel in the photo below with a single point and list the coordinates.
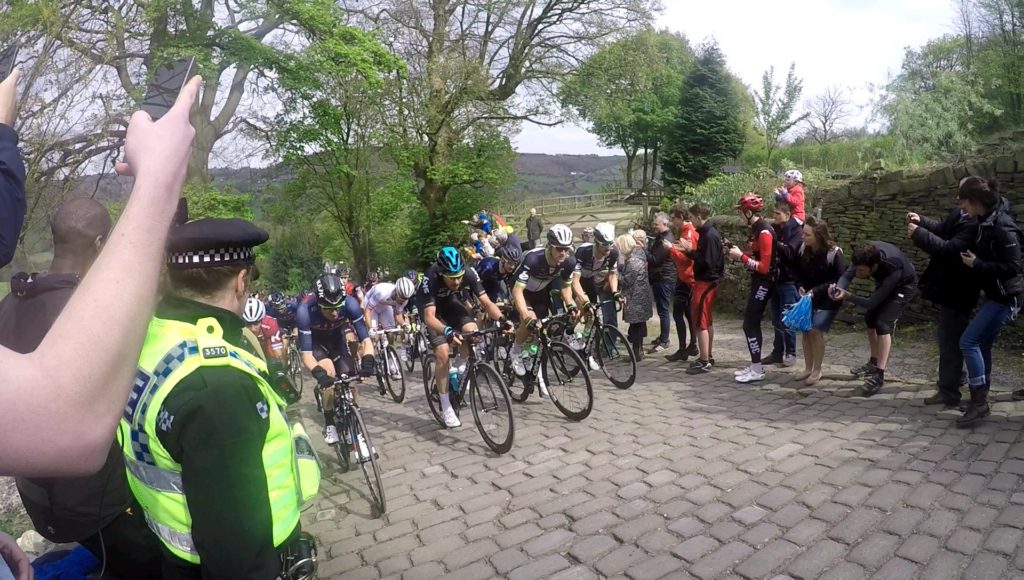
(433, 399)
(492, 408)
(568, 381)
(412, 351)
(342, 448)
(295, 369)
(617, 360)
(372, 475)
(395, 384)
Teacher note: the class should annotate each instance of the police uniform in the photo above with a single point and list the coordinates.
(208, 450)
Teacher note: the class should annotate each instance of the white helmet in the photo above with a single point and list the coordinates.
(604, 233)
(404, 289)
(254, 311)
(795, 175)
(560, 235)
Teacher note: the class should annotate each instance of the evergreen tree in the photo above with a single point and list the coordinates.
(708, 131)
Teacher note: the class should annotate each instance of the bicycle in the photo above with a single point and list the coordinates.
(609, 348)
(349, 421)
(295, 366)
(417, 345)
(562, 369)
(488, 395)
(389, 365)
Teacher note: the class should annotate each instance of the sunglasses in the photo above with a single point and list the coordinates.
(563, 249)
(454, 276)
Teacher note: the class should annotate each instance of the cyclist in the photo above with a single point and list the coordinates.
(384, 307)
(265, 329)
(495, 273)
(596, 272)
(325, 329)
(444, 314)
(539, 269)
(761, 263)
(283, 310)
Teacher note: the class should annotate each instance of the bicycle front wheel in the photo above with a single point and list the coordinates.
(492, 408)
(568, 381)
(616, 358)
(371, 473)
(433, 399)
(295, 369)
(343, 448)
(394, 378)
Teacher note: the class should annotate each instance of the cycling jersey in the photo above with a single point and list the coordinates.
(269, 336)
(285, 315)
(433, 289)
(489, 272)
(587, 263)
(535, 274)
(315, 328)
(380, 296)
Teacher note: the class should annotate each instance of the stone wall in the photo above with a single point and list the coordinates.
(873, 206)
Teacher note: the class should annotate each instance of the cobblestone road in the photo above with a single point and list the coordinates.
(689, 477)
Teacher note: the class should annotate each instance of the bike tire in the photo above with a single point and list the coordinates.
(492, 399)
(413, 352)
(372, 475)
(568, 381)
(611, 346)
(396, 386)
(343, 449)
(433, 399)
(295, 369)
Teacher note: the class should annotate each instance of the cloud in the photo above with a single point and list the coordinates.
(849, 43)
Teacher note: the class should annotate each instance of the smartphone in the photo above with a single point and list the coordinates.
(166, 84)
(8, 58)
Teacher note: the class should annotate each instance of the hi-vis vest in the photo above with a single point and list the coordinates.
(172, 351)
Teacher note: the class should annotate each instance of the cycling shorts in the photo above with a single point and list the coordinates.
(453, 313)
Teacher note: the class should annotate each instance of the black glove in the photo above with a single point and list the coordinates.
(506, 323)
(367, 366)
(322, 377)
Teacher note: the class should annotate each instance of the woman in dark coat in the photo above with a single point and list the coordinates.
(636, 289)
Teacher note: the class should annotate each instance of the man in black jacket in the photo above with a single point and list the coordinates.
(708, 269)
(952, 286)
(661, 270)
(97, 511)
(12, 173)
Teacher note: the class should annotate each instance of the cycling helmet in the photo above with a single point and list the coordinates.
(330, 292)
(276, 299)
(411, 274)
(587, 234)
(794, 175)
(750, 202)
(449, 262)
(404, 289)
(604, 234)
(342, 271)
(509, 252)
(560, 235)
(254, 311)
(373, 278)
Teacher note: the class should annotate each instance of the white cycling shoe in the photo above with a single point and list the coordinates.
(594, 365)
(330, 435)
(451, 420)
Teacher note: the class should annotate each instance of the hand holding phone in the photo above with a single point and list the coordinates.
(168, 81)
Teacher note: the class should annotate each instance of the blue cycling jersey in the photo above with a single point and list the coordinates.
(489, 272)
(285, 315)
(315, 328)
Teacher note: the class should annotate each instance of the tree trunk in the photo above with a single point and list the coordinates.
(654, 162)
(645, 182)
(630, 157)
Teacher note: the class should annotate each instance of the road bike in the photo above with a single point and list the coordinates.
(608, 347)
(480, 383)
(295, 366)
(389, 364)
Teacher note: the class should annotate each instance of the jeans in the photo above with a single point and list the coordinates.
(976, 342)
(952, 324)
(681, 313)
(608, 314)
(663, 291)
(785, 295)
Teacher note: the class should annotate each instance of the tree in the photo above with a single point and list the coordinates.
(628, 91)
(708, 130)
(775, 106)
(825, 114)
(468, 60)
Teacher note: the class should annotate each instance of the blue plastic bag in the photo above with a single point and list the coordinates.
(799, 316)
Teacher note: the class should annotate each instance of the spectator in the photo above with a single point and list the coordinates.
(996, 263)
(708, 268)
(792, 192)
(681, 306)
(636, 290)
(77, 509)
(503, 238)
(789, 235)
(895, 284)
(662, 272)
(819, 265)
(759, 260)
(61, 416)
(12, 172)
(952, 286)
(534, 228)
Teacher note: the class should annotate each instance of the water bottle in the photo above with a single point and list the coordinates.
(453, 380)
(529, 353)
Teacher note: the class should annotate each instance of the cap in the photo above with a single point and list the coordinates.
(211, 242)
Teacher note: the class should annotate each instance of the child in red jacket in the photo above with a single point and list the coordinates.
(792, 193)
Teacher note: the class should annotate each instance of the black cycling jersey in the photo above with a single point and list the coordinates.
(587, 264)
(433, 289)
(535, 274)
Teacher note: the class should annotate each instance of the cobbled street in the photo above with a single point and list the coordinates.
(684, 477)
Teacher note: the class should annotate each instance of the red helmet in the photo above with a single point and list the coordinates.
(750, 202)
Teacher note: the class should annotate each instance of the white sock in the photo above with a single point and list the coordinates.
(445, 403)
(757, 368)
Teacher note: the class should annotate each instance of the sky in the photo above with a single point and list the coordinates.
(844, 43)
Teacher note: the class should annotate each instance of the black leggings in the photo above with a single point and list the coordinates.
(757, 303)
(637, 331)
(682, 314)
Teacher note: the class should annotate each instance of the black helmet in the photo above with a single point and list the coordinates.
(330, 292)
(276, 299)
(411, 274)
(509, 252)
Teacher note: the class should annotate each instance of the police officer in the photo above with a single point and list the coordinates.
(209, 453)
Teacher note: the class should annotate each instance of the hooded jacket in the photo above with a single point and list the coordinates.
(998, 264)
(946, 281)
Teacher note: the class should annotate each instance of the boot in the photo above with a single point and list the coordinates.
(638, 351)
(977, 409)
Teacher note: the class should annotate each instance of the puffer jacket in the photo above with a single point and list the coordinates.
(998, 262)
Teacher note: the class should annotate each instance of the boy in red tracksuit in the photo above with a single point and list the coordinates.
(758, 259)
(792, 193)
(681, 305)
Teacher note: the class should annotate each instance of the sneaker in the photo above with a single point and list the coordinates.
(691, 350)
(743, 370)
(699, 367)
(594, 365)
(450, 418)
(750, 376)
(660, 347)
(789, 360)
(363, 454)
(542, 388)
(330, 435)
(576, 343)
(772, 359)
(711, 360)
(872, 384)
(518, 367)
(862, 370)
(677, 356)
